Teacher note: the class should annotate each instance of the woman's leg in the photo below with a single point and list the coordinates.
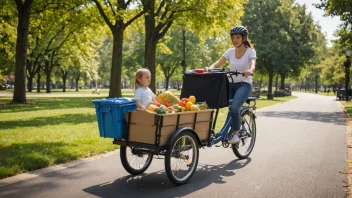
(241, 95)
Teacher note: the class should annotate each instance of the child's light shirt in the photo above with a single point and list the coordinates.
(145, 95)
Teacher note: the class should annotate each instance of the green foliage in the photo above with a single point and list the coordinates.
(285, 37)
(8, 23)
(342, 8)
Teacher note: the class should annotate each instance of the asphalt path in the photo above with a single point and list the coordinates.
(300, 149)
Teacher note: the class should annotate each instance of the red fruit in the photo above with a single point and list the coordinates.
(182, 103)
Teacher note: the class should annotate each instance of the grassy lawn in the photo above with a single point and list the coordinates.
(348, 108)
(55, 130)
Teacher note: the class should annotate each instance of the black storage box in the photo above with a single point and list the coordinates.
(210, 87)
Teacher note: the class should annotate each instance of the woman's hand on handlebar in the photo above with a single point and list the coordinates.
(248, 73)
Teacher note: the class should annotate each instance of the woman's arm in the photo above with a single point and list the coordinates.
(217, 64)
(251, 67)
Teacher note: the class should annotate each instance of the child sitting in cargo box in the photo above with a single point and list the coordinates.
(142, 93)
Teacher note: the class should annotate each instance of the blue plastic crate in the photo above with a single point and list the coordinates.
(111, 115)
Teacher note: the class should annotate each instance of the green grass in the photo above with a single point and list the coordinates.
(48, 132)
(53, 130)
(348, 109)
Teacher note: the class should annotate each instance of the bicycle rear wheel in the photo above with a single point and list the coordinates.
(134, 160)
(243, 149)
(181, 158)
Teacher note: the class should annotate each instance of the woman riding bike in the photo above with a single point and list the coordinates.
(241, 58)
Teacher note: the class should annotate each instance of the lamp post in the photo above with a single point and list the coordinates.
(347, 70)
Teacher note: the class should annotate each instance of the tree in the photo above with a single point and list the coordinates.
(283, 34)
(338, 8)
(305, 43)
(120, 16)
(7, 38)
(23, 9)
(161, 15)
(261, 19)
(343, 9)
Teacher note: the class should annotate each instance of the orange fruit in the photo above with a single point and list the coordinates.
(192, 99)
(189, 105)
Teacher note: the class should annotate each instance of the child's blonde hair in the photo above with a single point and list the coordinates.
(139, 74)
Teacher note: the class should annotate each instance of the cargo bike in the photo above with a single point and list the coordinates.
(178, 136)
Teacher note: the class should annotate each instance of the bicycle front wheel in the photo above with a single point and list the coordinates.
(243, 149)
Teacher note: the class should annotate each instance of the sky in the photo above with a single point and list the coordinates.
(328, 24)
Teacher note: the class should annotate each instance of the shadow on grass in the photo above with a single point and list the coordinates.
(24, 157)
(157, 184)
(44, 121)
(47, 104)
(337, 118)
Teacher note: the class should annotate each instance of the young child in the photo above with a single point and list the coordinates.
(142, 93)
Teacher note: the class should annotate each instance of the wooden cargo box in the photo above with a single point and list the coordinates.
(155, 129)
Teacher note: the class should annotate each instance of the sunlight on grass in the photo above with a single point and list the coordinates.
(348, 109)
(58, 130)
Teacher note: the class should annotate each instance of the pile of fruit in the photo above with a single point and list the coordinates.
(169, 103)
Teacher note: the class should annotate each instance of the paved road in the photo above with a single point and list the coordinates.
(299, 151)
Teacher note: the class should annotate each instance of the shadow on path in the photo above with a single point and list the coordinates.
(157, 184)
(337, 118)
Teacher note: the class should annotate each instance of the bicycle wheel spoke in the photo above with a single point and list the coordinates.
(245, 147)
(137, 161)
(181, 161)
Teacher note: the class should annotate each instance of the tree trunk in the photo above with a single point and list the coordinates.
(64, 84)
(71, 83)
(260, 84)
(30, 83)
(48, 84)
(277, 83)
(150, 60)
(47, 72)
(167, 79)
(38, 82)
(64, 79)
(77, 79)
(283, 76)
(116, 65)
(150, 42)
(19, 95)
(270, 86)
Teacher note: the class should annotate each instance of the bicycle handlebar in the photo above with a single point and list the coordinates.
(225, 71)
(236, 73)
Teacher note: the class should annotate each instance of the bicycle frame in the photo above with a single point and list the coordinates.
(225, 130)
(214, 139)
